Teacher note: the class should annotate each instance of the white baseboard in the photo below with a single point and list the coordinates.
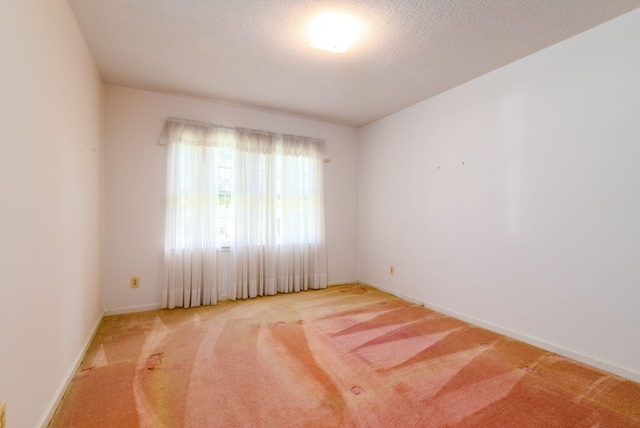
(62, 389)
(132, 309)
(551, 347)
(399, 295)
(153, 307)
(343, 282)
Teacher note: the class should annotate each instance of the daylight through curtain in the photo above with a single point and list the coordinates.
(279, 243)
(258, 194)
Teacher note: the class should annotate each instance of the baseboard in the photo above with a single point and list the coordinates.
(399, 295)
(62, 389)
(153, 307)
(344, 282)
(551, 347)
(132, 309)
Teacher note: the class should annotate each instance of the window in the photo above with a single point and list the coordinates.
(258, 193)
(285, 185)
(225, 215)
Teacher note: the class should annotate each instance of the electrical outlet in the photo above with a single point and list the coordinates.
(392, 270)
(135, 282)
(3, 415)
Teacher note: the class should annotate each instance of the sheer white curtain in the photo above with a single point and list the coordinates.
(191, 240)
(279, 244)
(276, 236)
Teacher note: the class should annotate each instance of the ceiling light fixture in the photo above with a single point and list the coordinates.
(333, 32)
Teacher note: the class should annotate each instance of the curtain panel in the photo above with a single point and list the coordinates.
(260, 194)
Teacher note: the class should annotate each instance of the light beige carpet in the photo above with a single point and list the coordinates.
(347, 356)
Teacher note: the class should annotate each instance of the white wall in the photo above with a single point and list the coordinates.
(50, 204)
(538, 233)
(135, 183)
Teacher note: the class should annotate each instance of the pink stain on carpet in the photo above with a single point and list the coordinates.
(357, 390)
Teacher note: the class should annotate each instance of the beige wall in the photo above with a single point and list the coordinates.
(135, 185)
(50, 204)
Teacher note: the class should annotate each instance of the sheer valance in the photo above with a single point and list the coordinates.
(185, 131)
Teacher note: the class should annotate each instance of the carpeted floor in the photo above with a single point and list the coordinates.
(347, 356)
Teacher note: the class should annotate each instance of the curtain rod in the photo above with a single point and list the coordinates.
(237, 128)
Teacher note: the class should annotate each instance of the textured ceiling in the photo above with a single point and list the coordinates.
(256, 52)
